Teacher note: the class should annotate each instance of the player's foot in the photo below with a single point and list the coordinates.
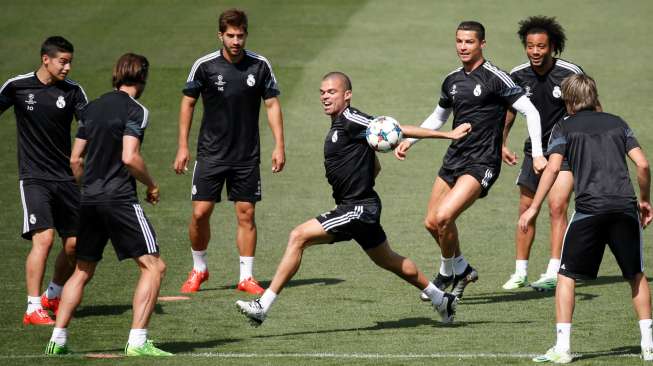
(554, 356)
(54, 349)
(195, 279)
(37, 317)
(516, 281)
(462, 280)
(252, 310)
(545, 283)
(251, 286)
(147, 349)
(647, 354)
(447, 308)
(51, 304)
(440, 281)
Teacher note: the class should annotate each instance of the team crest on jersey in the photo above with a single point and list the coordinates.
(250, 80)
(556, 92)
(32, 219)
(477, 90)
(61, 102)
(528, 91)
(334, 137)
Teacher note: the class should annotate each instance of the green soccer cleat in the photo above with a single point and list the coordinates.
(516, 281)
(545, 283)
(147, 349)
(554, 356)
(54, 349)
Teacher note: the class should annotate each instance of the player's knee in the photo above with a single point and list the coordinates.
(246, 218)
(558, 209)
(443, 220)
(69, 247)
(297, 239)
(431, 224)
(201, 215)
(162, 267)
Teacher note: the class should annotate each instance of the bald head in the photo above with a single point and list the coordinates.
(344, 79)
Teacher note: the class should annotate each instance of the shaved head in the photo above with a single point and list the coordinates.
(340, 76)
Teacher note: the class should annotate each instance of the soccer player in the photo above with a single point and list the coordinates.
(110, 135)
(45, 102)
(232, 82)
(351, 167)
(542, 38)
(595, 145)
(479, 93)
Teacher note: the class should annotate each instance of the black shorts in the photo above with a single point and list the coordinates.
(359, 222)
(49, 204)
(243, 182)
(484, 174)
(585, 240)
(527, 177)
(125, 224)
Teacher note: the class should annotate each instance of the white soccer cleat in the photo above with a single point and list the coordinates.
(252, 310)
(447, 308)
(516, 281)
(647, 354)
(545, 283)
(554, 356)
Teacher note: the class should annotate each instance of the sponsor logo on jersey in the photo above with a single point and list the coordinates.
(477, 90)
(334, 137)
(30, 102)
(220, 83)
(556, 92)
(61, 102)
(250, 80)
(32, 219)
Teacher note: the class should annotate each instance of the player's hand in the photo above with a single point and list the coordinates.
(539, 164)
(645, 213)
(526, 218)
(460, 131)
(153, 195)
(402, 149)
(278, 160)
(508, 157)
(180, 165)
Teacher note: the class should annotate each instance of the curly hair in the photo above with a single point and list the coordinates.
(543, 24)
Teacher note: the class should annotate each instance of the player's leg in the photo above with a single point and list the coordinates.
(246, 242)
(34, 272)
(64, 267)
(199, 232)
(523, 244)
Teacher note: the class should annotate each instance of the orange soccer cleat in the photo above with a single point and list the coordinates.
(195, 279)
(51, 304)
(38, 317)
(250, 285)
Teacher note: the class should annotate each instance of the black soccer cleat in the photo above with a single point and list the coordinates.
(462, 280)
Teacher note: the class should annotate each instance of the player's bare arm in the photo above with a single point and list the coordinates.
(425, 133)
(546, 182)
(509, 157)
(186, 110)
(77, 159)
(133, 160)
(644, 183)
(275, 120)
(433, 122)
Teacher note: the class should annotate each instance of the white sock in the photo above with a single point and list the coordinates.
(521, 267)
(563, 334)
(53, 290)
(459, 264)
(553, 267)
(434, 293)
(33, 304)
(199, 260)
(59, 336)
(645, 329)
(267, 299)
(137, 337)
(246, 266)
(446, 266)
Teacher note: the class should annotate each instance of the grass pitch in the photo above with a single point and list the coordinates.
(339, 308)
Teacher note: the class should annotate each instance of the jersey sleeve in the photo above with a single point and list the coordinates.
(557, 141)
(503, 86)
(81, 125)
(630, 139)
(6, 96)
(270, 86)
(358, 122)
(79, 101)
(195, 82)
(137, 119)
(445, 99)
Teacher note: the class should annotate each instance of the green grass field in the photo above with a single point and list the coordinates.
(340, 308)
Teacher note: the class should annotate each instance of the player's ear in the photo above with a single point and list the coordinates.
(347, 95)
(45, 59)
(220, 36)
(482, 44)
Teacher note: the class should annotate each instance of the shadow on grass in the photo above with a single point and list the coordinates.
(626, 350)
(492, 297)
(102, 310)
(191, 346)
(292, 283)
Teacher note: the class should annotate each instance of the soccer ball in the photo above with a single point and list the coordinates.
(383, 134)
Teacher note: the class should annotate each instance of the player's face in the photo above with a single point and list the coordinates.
(538, 49)
(59, 65)
(233, 39)
(333, 96)
(468, 46)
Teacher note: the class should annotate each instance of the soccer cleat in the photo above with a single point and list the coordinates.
(516, 281)
(147, 349)
(195, 279)
(250, 285)
(440, 281)
(55, 349)
(37, 317)
(51, 304)
(647, 354)
(545, 283)
(462, 280)
(554, 356)
(447, 308)
(252, 310)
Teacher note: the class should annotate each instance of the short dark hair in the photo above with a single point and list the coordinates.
(547, 25)
(232, 17)
(340, 75)
(55, 44)
(130, 70)
(471, 25)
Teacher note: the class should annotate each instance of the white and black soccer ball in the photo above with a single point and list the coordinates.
(383, 134)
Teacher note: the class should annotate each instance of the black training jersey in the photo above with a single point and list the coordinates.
(596, 144)
(104, 123)
(480, 98)
(545, 94)
(231, 95)
(43, 117)
(348, 159)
